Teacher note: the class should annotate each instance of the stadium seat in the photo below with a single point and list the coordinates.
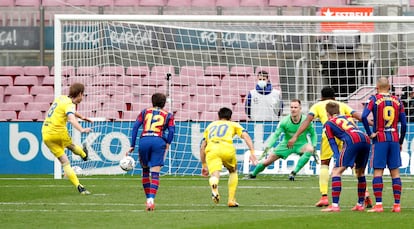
(89, 106)
(162, 70)
(128, 80)
(142, 90)
(45, 90)
(50, 81)
(152, 2)
(180, 98)
(214, 107)
(101, 2)
(400, 81)
(123, 98)
(65, 71)
(304, 3)
(53, 2)
(7, 3)
(13, 106)
(407, 71)
(129, 115)
(43, 98)
(36, 70)
(138, 106)
(37, 107)
(357, 105)
(186, 115)
(87, 71)
(31, 116)
(244, 71)
(218, 71)
(237, 85)
(18, 99)
(27, 81)
(8, 116)
(16, 90)
(203, 3)
(77, 2)
(228, 3)
(280, 2)
(200, 90)
(324, 3)
(126, 2)
(6, 81)
(104, 80)
(260, 3)
(112, 71)
(196, 71)
(239, 116)
(119, 106)
(195, 105)
(229, 100)
(101, 98)
(179, 3)
(34, 3)
(11, 71)
(208, 116)
(84, 79)
(138, 71)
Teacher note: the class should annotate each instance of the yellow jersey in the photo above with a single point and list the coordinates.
(318, 110)
(221, 133)
(57, 115)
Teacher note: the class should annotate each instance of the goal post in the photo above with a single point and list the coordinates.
(204, 62)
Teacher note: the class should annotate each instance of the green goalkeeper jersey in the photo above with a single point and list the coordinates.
(289, 128)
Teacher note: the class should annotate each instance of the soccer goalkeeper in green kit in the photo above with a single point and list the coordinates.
(289, 125)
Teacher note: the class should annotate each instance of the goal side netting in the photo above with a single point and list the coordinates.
(203, 63)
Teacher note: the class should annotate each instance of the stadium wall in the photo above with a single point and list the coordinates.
(23, 152)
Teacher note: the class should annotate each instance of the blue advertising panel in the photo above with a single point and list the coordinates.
(22, 150)
(19, 37)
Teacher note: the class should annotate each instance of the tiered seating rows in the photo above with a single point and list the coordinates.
(128, 90)
(174, 3)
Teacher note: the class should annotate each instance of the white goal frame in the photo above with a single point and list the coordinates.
(193, 18)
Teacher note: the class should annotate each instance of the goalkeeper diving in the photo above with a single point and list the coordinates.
(288, 126)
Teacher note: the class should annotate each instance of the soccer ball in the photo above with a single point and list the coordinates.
(127, 163)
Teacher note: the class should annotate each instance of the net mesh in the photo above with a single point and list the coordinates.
(203, 66)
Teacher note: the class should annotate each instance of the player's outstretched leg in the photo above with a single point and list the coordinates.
(232, 186)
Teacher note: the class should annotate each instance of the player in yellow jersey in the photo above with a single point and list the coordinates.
(55, 133)
(217, 150)
(318, 111)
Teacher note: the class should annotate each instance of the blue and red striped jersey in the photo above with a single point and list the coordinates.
(387, 110)
(344, 128)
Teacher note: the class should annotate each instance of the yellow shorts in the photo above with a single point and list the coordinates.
(217, 157)
(57, 143)
(326, 151)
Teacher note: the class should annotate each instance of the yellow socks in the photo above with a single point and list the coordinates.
(79, 151)
(233, 182)
(324, 179)
(70, 174)
(213, 181)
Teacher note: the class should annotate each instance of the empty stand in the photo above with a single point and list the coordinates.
(112, 71)
(208, 116)
(179, 3)
(34, 3)
(138, 71)
(186, 115)
(27, 80)
(203, 3)
(129, 115)
(11, 71)
(228, 3)
(45, 90)
(400, 80)
(53, 2)
(18, 99)
(259, 3)
(111, 115)
(304, 3)
(217, 71)
(32, 115)
(8, 115)
(36, 70)
(65, 71)
(37, 106)
(128, 80)
(101, 98)
(126, 2)
(244, 71)
(13, 106)
(50, 81)
(6, 81)
(87, 71)
(44, 98)
(16, 90)
(280, 2)
(101, 2)
(77, 2)
(152, 2)
(114, 106)
(7, 3)
(332, 3)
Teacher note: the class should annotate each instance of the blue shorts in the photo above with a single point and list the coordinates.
(354, 154)
(386, 154)
(151, 151)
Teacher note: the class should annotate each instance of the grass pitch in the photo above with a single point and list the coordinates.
(185, 202)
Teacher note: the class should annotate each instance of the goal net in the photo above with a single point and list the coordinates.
(203, 63)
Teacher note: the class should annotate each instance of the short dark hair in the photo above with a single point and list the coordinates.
(263, 73)
(332, 108)
(75, 89)
(158, 100)
(225, 113)
(328, 92)
(296, 100)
